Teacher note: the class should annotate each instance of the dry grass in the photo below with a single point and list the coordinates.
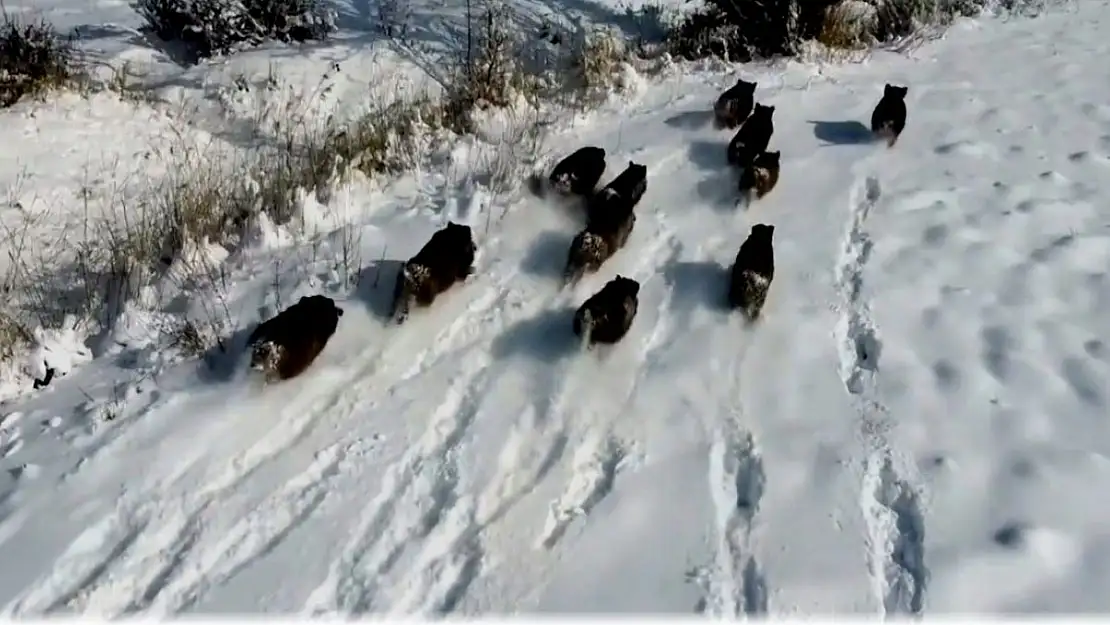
(381, 141)
(139, 253)
(599, 59)
(844, 27)
(33, 58)
(14, 337)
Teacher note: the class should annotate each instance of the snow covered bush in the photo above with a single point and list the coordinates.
(650, 22)
(742, 30)
(598, 59)
(214, 27)
(487, 70)
(291, 20)
(33, 57)
(384, 140)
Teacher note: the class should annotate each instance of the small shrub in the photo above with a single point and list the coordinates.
(205, 325)
(490, 67)
(598, 60)
(898, 18)
(291, 20)
(704, 33)
(189, 338)
(201, 199)
(394, 17)
(215, 27)
(33, 57)
(14, 337)
(651, 23)
(204, 27)
(847, 25)
(380, 141)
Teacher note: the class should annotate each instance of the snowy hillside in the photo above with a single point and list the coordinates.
(918, 424)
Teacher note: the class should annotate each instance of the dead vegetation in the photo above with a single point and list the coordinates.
(34, 58)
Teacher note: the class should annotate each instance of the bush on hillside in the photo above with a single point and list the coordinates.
(33, 57)
(898, 18)
(597, 59)
(486, 70)
(743, 30)
(215, 27)
(848, 25)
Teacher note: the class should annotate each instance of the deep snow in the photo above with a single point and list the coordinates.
(917, 425)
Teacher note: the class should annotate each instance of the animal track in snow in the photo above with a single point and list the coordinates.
(451, 553)
(12, 447)
(419, 497)
(250, 537)
(419, 503)
(889, 504)
(594, 476)
(9, 420)
(11, 436)
(157, 558)
(860, 345)
(896, 537)
(594, 394)
(738, 484)
(139, 579)
(167, 514)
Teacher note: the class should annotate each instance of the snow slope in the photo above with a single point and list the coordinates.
(918, 424)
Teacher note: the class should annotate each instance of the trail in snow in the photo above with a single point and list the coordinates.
(335, 400)
(582, 403)
(889, 503)
(491, 502)
(243, 452)
(737, 470)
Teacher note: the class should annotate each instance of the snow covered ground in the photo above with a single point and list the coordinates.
(918, 424)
